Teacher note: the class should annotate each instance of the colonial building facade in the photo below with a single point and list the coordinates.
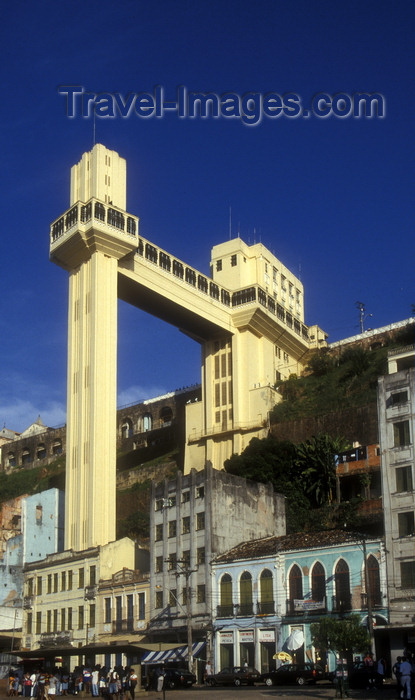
(266, 589)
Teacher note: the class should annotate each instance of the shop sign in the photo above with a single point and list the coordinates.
(226, 637)
(266, 635)
(246, 636)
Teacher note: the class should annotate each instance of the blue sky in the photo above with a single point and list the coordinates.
(331, 197)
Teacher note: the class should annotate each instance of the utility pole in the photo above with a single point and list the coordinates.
(369, 599)
(186, 571)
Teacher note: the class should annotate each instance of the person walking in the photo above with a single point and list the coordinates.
(405, 670)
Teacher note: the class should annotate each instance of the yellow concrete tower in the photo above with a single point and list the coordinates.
(88, 241)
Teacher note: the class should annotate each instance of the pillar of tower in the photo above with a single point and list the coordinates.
(90, 515)
(88, 241)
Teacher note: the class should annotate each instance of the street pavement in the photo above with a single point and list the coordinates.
(320, 691)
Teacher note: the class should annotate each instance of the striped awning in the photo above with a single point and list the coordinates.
(177, 654)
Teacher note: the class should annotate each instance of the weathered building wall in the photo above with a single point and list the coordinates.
(354, 424)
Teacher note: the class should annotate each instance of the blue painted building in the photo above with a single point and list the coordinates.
(268, 589)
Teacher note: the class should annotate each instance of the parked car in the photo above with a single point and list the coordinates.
(178, 678)
(289, 674)
(237, 675)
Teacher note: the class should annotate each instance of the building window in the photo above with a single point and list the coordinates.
(233, 260)
(55, 620)
(159, 599)
(408, 574)
(70, 579)
(398, 398)
(342, 584)
(200, 521)
(69, 618)
(172, 528)
(107, 610)
(92, 575)
(266, 604)
(245, 594)
(406, 523)
(48, 621)
(63, 581)
(172, 561)
(186, 496)
(29, 623)
(374, 580)
(200, 492)
(158, 505)
(318, 582)
(401, 436)
(404, 479)
(295, 584)
(49, 584)
(200, 558)
(38, 623)
(147, 422)
(218, 265)
(141, 606)
(159, 565)
(186, 525)
(39, 585)
(159, 533)
(30, 586)
(173, 598)
(80, 617)
(225, 608)
(201, 593)
(39, 514)
(81, 579)
(92, 615)
(63, 619)
(186, 557)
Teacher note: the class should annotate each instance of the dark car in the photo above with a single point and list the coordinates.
(237, 675)
(178, 678)
(289, 674)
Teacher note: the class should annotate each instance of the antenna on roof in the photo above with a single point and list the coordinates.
(362, 315)
(230, 222)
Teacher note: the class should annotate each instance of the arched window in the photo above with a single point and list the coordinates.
(147, 422)
(166, 416)
(11, 459)
(296, 583)
(127, 428)
(26, 457)
(225, 608)
(342, 582)
(374, 580)
(57, 447)
(266, 603)
(41, 451)
(245, 594)
(318, 582)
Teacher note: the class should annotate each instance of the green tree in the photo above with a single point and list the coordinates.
(340, 636)
(316, 461)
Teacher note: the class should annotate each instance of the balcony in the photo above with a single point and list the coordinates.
(120, 626)
(343, 604)
(28, 601)
(225, 611)
(90, 592)
(267, 608)
(244, 610)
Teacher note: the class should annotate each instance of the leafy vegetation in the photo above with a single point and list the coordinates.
(305, 474)
(341, 636)
(29, 481)
(331, 383)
